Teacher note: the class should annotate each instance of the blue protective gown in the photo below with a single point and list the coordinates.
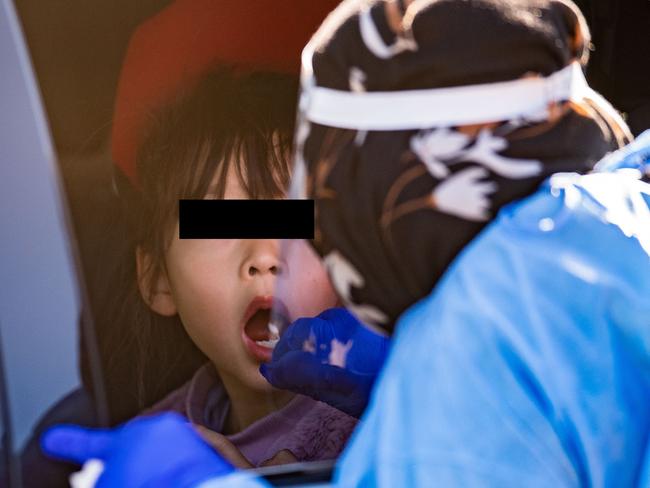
(529, 364)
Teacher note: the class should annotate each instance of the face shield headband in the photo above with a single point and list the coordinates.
(527, 98)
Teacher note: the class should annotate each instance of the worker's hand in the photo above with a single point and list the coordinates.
(161, 450)
(224, 447)
(332, 358)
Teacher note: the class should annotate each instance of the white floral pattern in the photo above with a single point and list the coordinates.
(485, 152)
(357, 80)
(344, 276)
(466, 193)
(440, 148)
(374, 42)
(434, 147)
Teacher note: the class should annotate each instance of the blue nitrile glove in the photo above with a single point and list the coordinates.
(332, 358)
(162, 450)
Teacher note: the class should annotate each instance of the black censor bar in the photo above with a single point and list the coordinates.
(246, 219)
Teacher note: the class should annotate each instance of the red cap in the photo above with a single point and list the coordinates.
(176, 47)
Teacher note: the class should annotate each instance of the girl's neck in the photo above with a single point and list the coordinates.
(248, 406)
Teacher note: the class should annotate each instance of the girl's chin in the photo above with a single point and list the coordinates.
(275, 394)
(249, 377)
(255, 381)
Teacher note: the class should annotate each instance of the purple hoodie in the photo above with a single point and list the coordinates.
(309, 429)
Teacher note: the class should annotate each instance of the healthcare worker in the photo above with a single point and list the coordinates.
(528, 363)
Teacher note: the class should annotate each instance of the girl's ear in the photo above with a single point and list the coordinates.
(157, 294)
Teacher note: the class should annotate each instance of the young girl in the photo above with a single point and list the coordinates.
(205, 109)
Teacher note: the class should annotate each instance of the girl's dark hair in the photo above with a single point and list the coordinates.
(243, 120)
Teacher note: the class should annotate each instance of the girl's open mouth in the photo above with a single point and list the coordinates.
(258, 330)
(258, 337)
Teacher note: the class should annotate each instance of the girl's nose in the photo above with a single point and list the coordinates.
(263, 260)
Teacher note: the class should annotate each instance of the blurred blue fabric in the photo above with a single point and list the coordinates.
(529, 365)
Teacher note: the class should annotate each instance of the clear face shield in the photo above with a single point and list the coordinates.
(302, 289)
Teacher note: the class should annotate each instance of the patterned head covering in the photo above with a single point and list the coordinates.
(394, 207)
